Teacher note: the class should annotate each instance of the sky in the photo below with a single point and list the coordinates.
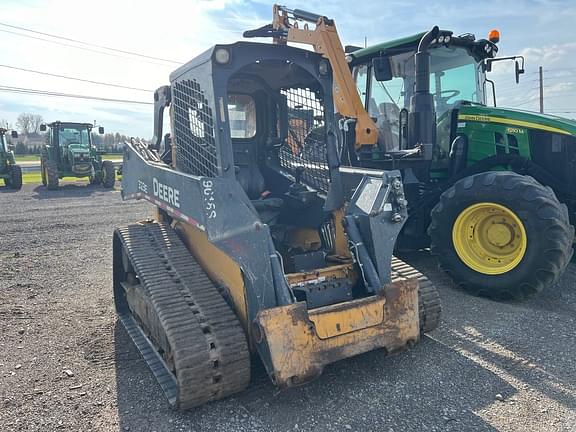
(178, 30)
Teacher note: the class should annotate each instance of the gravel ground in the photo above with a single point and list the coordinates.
(66, 364)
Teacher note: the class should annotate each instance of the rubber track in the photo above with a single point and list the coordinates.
(205, 338)
(429, 306)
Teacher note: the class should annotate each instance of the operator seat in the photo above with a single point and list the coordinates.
(387, 123)
(250, 177)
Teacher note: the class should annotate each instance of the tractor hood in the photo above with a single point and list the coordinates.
(518, 118)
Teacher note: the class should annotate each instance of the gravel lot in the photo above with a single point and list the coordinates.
(66, 364)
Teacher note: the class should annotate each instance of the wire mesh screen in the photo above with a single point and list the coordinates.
(304, 152)
(193, 130)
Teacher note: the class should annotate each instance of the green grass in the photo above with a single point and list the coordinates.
(114, 157)
(27, 158)
(36, 178)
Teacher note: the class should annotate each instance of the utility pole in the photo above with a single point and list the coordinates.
(541, 90)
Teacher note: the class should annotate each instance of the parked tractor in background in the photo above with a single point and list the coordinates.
(491, 191)
(9, 170)
(69, 152)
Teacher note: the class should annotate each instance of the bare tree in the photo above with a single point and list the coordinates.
(35, 121)
(5, 124)
(28, 123)
(23, 123)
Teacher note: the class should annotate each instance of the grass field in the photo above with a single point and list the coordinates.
(35, 178)
(36, 158)
(27, 158)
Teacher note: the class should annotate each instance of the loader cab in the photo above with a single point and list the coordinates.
(268, 129)
(263, 115)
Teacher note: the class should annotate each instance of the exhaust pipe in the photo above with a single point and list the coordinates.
(422, 116)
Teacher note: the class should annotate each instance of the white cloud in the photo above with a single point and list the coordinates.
(182, 29)
(171, 29)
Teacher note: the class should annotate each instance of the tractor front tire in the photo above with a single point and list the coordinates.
(43, 172)
(108, 174)
(51, 173)
(95, 179)
(501, 235)
(16, 177)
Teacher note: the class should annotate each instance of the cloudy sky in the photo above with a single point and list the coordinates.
(177, 30)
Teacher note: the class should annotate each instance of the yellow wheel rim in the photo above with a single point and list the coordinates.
(489, 238)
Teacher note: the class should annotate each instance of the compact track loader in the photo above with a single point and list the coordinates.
(260, 244)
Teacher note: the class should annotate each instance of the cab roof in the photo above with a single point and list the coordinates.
(407, 41)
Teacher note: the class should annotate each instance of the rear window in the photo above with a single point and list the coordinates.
(242, 115)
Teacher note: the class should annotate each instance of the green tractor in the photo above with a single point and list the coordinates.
(9, 171)
(492, 191)
(69, 152)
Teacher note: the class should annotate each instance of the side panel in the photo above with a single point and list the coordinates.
(486, 138)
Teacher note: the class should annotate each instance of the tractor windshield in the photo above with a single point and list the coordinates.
(74, 136)
(454, 76)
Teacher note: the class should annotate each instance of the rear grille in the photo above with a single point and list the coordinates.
(193, 130)
(305, 147)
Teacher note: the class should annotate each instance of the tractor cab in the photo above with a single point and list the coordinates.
(3, 143)
(9, 171)
(71, 145)
(5, 148)
(385, 77)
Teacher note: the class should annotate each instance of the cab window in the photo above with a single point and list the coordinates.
(242, 115)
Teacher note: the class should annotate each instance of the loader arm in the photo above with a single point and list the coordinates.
(325, 40)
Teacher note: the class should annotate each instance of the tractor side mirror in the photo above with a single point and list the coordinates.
(11, 147)
(518, 70)
(382, 68)
(42, 128)
(14, 134)
(488, 65)
(100, 130)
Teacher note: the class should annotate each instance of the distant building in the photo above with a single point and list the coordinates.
(32, 139)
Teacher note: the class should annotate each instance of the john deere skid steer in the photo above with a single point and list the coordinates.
(69, 152)
(9, 170)
(260, 244)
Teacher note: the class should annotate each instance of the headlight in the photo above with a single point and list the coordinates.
(222, 56)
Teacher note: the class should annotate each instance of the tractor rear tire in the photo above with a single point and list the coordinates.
(51, 172)
(16, 177)
(108, 174)
(501, 235)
